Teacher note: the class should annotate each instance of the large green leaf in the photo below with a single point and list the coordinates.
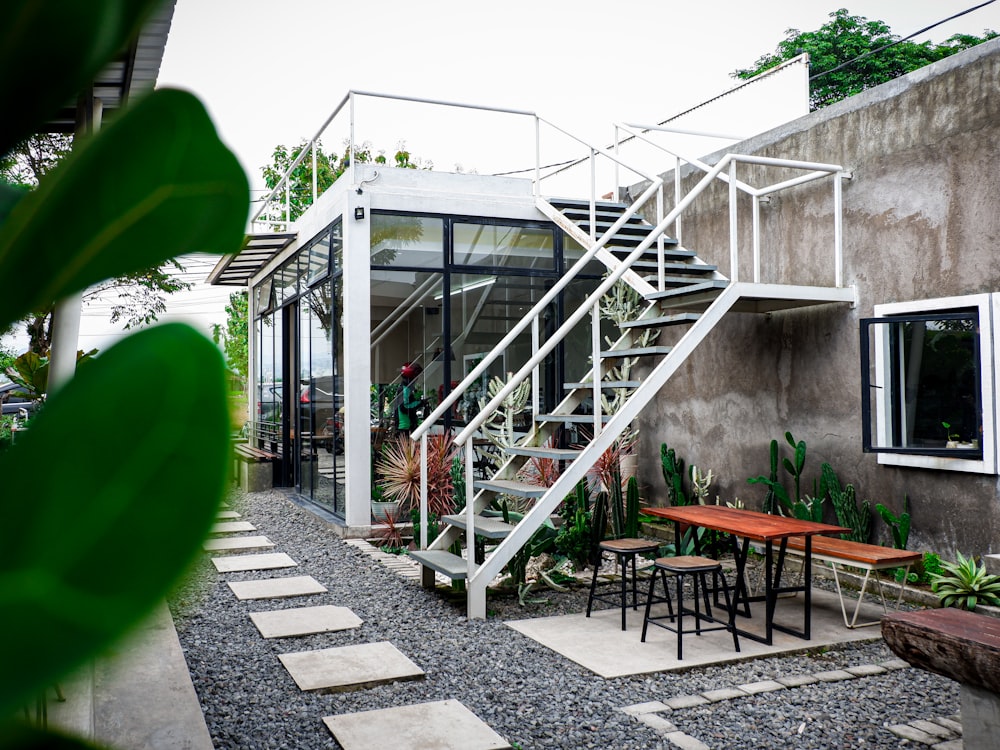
(105, 501)
(51, 51)
(21, 737)
(155, 184)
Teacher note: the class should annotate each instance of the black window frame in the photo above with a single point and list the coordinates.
(866, 325)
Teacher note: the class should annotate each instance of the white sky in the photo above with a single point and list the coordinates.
(270, 73)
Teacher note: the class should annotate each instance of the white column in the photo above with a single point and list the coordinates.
(66, 315)
(357, 357)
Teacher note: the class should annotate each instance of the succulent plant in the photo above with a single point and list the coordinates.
(966, 584)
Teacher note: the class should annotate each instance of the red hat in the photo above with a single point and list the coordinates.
(410, 370)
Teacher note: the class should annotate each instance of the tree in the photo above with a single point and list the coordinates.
(849, 54)
(139, 297)
(329, 166)
(234, 339)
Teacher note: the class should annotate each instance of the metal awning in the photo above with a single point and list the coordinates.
(133, 72)
(257, 252)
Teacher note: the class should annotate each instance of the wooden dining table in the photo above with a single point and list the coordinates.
(746, 526)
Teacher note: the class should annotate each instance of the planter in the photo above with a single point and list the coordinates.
(380, 510)
(629, 465)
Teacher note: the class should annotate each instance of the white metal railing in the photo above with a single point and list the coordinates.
(282, 187)
(814, 171)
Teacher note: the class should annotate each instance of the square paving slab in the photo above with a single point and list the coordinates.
(283, 623)
(231, 527)
(442, 725)
(277, 588)
(350, 667)
(238, 563)
(599, 644)
(236, 543)
(227, 515)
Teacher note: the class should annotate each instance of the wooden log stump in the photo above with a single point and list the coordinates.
(951, 642)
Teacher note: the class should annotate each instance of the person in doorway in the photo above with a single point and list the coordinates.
(406, 414)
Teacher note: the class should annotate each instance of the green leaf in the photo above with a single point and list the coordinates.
(51, 51)
(103, 509)
(155, 184)
(9, 196)
(16, 736)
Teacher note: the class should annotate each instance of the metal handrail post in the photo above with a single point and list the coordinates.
(617, 179)
(288, 204)
(350, 146)
(661, 273)
(314, 180)
(838, 230)
(595, 344)
(677, 198)
(734, 260)
(536, 373)
(423, 491)
(756, 239)
(470, 510)
(593, 196)
(538, 157)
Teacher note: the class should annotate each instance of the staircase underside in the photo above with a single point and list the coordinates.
(765, 298)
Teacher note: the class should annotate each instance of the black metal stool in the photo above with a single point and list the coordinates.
(626, 551)
(697, 568)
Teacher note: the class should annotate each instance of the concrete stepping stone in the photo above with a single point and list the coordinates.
(348, 668)
(227, 515)
(443, 725)
(236, 542)
(283, 623)
(231, 527)
(277, 588)
(240, 563)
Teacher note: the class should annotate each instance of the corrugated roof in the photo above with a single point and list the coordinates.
(257, 252)
(132, 73)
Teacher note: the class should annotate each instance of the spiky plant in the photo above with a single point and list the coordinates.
(399, 469)
(966, 584)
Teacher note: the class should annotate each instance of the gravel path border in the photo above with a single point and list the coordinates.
(527, 693)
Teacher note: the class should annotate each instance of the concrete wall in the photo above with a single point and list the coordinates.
(921, 220)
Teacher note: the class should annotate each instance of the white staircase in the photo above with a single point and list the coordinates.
(682, 291)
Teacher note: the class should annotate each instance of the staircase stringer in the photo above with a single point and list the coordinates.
(578, 468)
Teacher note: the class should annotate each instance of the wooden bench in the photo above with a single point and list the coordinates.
(254, 467)
(868, 557)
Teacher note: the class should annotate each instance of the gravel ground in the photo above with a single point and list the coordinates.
(530, 695)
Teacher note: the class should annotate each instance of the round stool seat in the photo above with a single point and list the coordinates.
(687, 564)
(628, 546)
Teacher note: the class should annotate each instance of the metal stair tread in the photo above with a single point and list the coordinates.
(510, 487)
(695, 288)
(662, 321)
(557, 454)
(570, 418)
(644, 351)
(486, 526)
(603, 384)
(443, 562)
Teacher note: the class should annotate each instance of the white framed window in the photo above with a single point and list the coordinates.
(928, 383)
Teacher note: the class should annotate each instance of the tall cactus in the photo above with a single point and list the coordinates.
(632, 508)
(673, 475)
(898, 525)
(845, 503)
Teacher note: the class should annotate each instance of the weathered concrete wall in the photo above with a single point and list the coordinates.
(921, 220)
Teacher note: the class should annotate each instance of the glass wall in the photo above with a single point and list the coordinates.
(446, 290)
(300, 396)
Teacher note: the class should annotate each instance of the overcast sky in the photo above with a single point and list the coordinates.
(271, 72)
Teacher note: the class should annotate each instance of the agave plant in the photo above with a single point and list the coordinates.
(398, 467)
(965, 584)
